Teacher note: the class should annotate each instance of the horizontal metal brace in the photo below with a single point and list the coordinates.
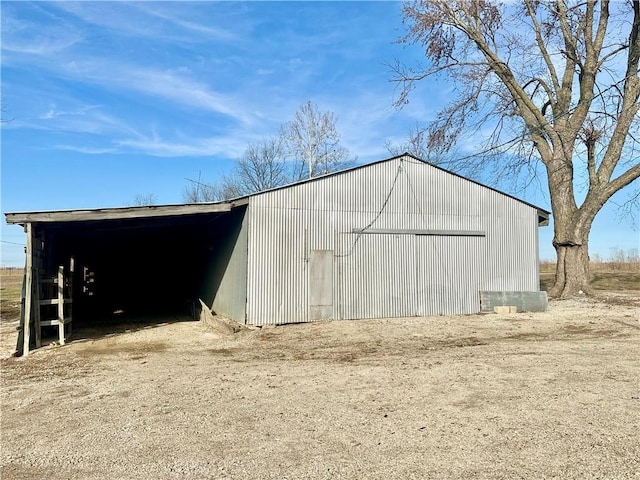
(403, 231)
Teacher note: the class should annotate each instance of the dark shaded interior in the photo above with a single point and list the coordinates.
(142, 267)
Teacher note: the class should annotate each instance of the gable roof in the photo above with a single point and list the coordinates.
(543, 215)
(118, 213)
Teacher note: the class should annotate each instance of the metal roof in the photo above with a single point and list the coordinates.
(543, 214)
(150, 211)
(120, 213)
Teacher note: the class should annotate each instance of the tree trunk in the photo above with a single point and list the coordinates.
(572, 270)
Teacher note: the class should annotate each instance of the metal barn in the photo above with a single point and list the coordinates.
(398, 237)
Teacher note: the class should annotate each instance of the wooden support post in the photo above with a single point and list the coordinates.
(37, 251)
(61, 304)
(36, 301)
(28, 300)
(70, 293)
(23, 296)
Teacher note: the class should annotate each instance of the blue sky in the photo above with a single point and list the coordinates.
(107, 101)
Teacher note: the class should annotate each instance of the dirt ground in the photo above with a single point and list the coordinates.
(552, 395)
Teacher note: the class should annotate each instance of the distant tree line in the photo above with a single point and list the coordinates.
(618, 259)
(618, 256)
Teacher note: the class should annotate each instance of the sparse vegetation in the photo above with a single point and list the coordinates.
(10, 293)
(145, 199)
(619, 272)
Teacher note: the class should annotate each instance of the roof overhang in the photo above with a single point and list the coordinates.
(151, 211)
(543, 218)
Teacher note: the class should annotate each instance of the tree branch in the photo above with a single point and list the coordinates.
(542, 45)
(630, 105)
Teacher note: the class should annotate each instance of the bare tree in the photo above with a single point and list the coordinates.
(315, 142)
(558, 87)
(145, 199)
(262, 166)
(417, 144)
(3, 114)
(306, 147)
(198, 192)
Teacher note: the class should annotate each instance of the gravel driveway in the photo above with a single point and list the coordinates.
(530, 396)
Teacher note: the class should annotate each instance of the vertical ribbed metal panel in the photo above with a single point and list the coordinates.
(231, 292)
(387, 275)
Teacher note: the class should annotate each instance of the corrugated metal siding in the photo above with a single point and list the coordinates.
(230, 295)
(380, 267)
(380, 275)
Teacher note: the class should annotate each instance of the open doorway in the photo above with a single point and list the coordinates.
(142, 271)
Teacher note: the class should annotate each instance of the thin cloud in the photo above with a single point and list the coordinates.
(86, 150)
(138, 19)
(42, 45)
(36, 38)
(54, 112)
(174, 86)
(178, 143)
(209, 147)
(218, 33)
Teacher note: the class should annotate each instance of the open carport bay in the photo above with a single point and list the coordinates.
(128, 268)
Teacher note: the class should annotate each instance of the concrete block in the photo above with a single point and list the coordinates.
(505, 309)
(524, 301)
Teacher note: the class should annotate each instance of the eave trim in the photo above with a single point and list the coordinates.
(151, 211)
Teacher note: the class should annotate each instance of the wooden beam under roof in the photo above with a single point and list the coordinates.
(543, 218)
(150, 211)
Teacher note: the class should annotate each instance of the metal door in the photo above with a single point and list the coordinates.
(321, 280)
(377, 276)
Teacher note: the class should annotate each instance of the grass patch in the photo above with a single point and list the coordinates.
(224, 352)
(137, 349)
(615, 280)
(10, 293)
(604, 276)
